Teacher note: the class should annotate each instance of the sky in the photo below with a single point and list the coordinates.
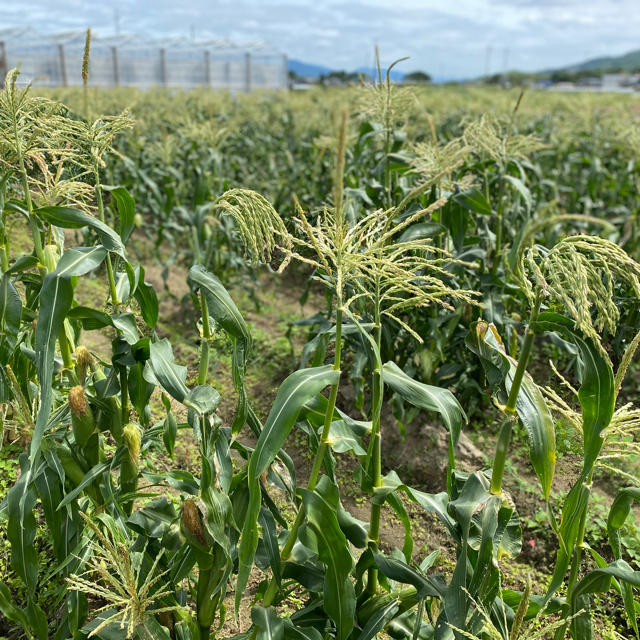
(450, 39)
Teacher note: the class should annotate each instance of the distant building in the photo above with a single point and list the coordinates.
(132, 61)
(590, 81)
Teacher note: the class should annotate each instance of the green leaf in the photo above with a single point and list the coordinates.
(402, 572)
(342, 438)
(270, 537)
(127, 325)
(169, 375)
(152, 630)
(203, 399)
(10, 311)
(88, 479)
(170, 432)
(474, 498)
(597, 398)
(90, 319)
(68, 218)
(293, 393)
(126, 209)
(473, 199)
(297, 389)
(456, 219)
(357, 531)
(339, 594)
(124, 285)
(22, 264)
(575, 504)
(421, 230)
(531, 407)
(49, 489)
(292, 632)
(154, 519)
(618, 514)
(536, 603)
(380, 617)
(226, 314)
(147, 298)
(596, 393)
(315, 410)
(21, 529)
(432, 503)
(598, 581)
(56, 296)
(10, 611)
(268, 624)
(221, 306)
(521, 188)
(80, 260)
(428, 398)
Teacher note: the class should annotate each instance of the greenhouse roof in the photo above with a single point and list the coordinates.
(24, 38)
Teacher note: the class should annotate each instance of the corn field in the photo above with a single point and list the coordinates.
(189, 453)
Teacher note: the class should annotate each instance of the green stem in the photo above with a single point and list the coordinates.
(112, 281)
(504, 436)
(204, 347)
(387, 150)
(124, 395)
(197, 258)
(318, 460)
(204, 626)
(65, 352)
(4, 239)
(33, 225)
(575, 568)
(376, 457)
(64, 349)
(500, 214)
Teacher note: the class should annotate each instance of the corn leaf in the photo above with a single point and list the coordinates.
(224, 311)
(167, 373)
(269, 625)
(294, 392)
(598, 581)
(596, 393)
(429, 398)
(147, 298)
(531, 407)
(126, 209)
(10, 311)
(380, 617)
(68, 218)
(339, 594)
(80, 260)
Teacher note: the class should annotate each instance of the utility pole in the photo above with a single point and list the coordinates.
(487, 62)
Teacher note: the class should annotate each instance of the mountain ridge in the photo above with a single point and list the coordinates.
(629, 61)
(310, 70)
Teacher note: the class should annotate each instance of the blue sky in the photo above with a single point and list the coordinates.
(446, 38)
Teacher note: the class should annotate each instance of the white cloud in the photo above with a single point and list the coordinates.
(444, 37)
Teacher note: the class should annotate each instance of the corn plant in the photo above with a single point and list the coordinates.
(427, 230)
